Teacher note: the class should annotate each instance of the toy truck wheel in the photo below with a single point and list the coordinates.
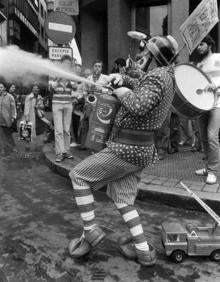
(215, 255)
(178, 256)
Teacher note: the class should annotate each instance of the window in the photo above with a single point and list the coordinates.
(173, 238)
(152, 20)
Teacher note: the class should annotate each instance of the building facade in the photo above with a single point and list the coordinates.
(104, 25)
(24, 24)
(42, 15)
(3, 23)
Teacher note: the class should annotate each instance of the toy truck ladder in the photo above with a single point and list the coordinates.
(203, 204)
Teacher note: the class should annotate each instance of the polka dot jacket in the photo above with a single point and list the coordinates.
(144, 108)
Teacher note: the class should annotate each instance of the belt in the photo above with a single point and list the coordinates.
(132, 137)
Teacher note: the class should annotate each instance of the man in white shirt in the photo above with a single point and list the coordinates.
(97, 77)
(209, 122)
(93, 91)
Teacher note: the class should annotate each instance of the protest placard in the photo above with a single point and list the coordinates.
(199, 23)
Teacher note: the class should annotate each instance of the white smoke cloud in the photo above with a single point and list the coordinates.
(28, 68)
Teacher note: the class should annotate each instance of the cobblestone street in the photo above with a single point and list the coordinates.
(38, 218)
(121, 95)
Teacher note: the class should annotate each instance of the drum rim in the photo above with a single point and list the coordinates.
(202, 72)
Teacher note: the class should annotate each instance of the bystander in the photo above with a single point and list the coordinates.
(8, 115)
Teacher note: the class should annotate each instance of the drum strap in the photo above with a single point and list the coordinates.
(132, 137)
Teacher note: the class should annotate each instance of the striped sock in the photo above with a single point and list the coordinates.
(132, 219)
(85, 202)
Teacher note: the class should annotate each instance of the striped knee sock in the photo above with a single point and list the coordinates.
(132, 219)
(85, 202)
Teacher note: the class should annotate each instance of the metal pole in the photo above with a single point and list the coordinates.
(177, 54)
(203, 204)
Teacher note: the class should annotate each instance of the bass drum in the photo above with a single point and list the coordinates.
(186, 102)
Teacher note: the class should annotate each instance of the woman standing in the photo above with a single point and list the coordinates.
(34, 113)
(33, 102)
(12, 91)
(8, 115)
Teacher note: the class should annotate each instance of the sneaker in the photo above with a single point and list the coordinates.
(201, 172)
(147, 258)
(181, 143)
(73, 144)
(126, 247)
(128, 250)
(95, 236)
(59, 158)
(80, 247)
(67, 156)
(211, 178)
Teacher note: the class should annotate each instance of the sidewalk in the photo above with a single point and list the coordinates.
(160, 183)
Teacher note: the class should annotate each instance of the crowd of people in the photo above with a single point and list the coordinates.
(73, 102)
(175, 132)
(147, 127)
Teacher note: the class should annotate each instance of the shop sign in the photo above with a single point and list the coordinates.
(70, 7)
(55, 53)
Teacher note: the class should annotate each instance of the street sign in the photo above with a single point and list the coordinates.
(70, 7)
(60, 27)
(199, 23)
(55, 53)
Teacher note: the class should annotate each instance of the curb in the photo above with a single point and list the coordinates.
(150, 192)
(177, 201)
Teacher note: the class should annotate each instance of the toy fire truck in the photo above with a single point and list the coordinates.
(180, 240)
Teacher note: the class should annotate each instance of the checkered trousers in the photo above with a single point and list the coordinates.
(104, 168)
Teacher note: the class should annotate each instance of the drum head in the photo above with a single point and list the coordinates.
(188, 79)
